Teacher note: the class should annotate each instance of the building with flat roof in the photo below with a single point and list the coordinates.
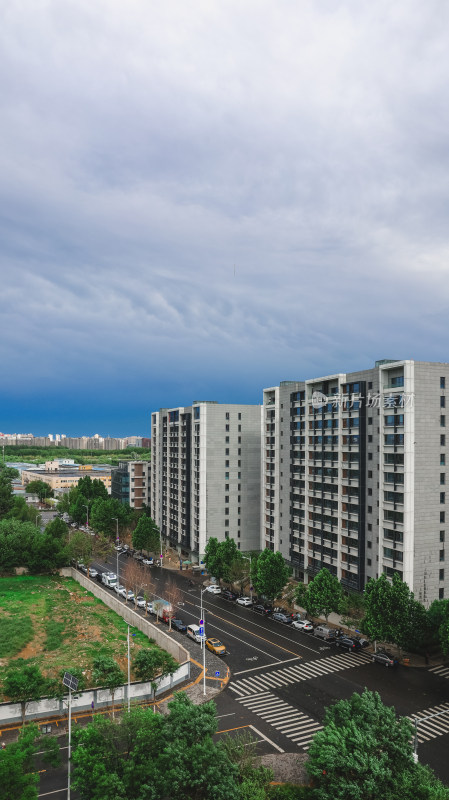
(130, 483)
(66, 477)
(205, 475)
(354, 474)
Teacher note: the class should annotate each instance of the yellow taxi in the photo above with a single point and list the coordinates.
(215, 646)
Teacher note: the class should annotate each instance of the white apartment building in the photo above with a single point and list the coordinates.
(354, 472)
(205, 464)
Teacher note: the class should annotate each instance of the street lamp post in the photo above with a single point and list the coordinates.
(37, 517)
(115, 519)
(118, 576)
(160, 545)
(87, 523)
(203, 643)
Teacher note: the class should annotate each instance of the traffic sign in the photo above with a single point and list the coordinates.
(201, 630)
(201, 622)
(217, 674)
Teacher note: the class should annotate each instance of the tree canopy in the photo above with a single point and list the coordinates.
(146, 535)
(364, 752)
(221, 558)
(151, 756)
(41, 488)
(19, 777)
(392, 614)
(270, 574)
(23, 683)
(322, 596)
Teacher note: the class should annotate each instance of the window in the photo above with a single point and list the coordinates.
(441, 555)
(239, 415)
(370, 492)
(442, 518)
(442, 459)
(370, 544)
(226, 523)
(370, 509)
(370, 456)
(441, 574)
(370, 420)
(227, 476)
(226, 510)
(442, 478)
(227, 496)
(370, 528)
(227, 451)
(442, 421)
(442, 497)
(227, 414)
(227, 428)
(440, 594)
(442, 536)
(227, 440)
(368, 561)
(240, 429)
(443, 440)
(239, 440)
(370, 439)
(442, 402)
(227, 487)
(442, 383)
(226, 463)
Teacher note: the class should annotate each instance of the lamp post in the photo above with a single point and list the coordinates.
(87, 523)
(129, 673)
(115, 519)
(160, 545)
(37, 517)
(203, 643)
(118, 576)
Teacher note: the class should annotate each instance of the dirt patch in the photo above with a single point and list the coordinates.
(33, 648)
(287, 767)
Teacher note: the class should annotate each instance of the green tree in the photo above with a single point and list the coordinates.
(146, 755)
(10, 473)
(57, 529)
(392, 614)
(42, 489)
(107, 674)
(210, 555)
(271, 574)
(22, 511)
(149, 664)
(228, 556)
(322, 596)
(364, 752)
(92, 488)
(104, 513)
(81, 547)
(24, 683)
(6, 495)
(146, 535)
(18, 777)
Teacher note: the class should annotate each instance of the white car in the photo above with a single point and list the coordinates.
(141, 602)
(213, 589)
(119, 589)
(148, 562)
(151, 608)
(129, 595)
(93, 573)
(118, 548)
(244, 601)
(302, 625)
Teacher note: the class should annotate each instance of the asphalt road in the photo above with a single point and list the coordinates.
(282, 679)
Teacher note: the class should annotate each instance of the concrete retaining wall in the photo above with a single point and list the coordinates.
(10, 713)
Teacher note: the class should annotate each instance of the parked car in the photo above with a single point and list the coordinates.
(83, 568)
(213, 589)
(150, 608)
(141, 602)
(363, 642)
(99, 577)
(324, 632)
(138, 556)
(302, 625)
(118, 548)
(93, 573)
(348, 643)
(385, 658)
(228, 595)
(259, 608)
(148, 562)
(118, 588)
(279, 616)
(179, 625)
(244, 601)
(215, 646)
(296, 617)
(129, 595)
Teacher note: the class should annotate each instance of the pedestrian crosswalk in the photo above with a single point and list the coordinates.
(287, 719)
(442, 671)
(298, 672)
(435, 726)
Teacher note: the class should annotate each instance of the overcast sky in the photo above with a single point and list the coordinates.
(199, 200)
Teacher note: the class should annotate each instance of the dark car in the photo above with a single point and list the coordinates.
(348, 643)
(228, 595)
(99, 577)
(279, 616)
(385, 658)
(261, 609)
(178, 625)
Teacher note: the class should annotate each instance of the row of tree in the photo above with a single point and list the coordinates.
(390, 611)
(266, 572)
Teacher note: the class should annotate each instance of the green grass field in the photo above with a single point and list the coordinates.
(55, 623)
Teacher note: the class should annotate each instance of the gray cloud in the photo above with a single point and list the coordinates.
(254, 188)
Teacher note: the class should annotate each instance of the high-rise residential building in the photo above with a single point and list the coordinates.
(130, 483)
(354, 475)
(205, 464)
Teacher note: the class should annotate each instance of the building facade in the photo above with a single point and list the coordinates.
(206, 475)
(353, 475)
(130, 483)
